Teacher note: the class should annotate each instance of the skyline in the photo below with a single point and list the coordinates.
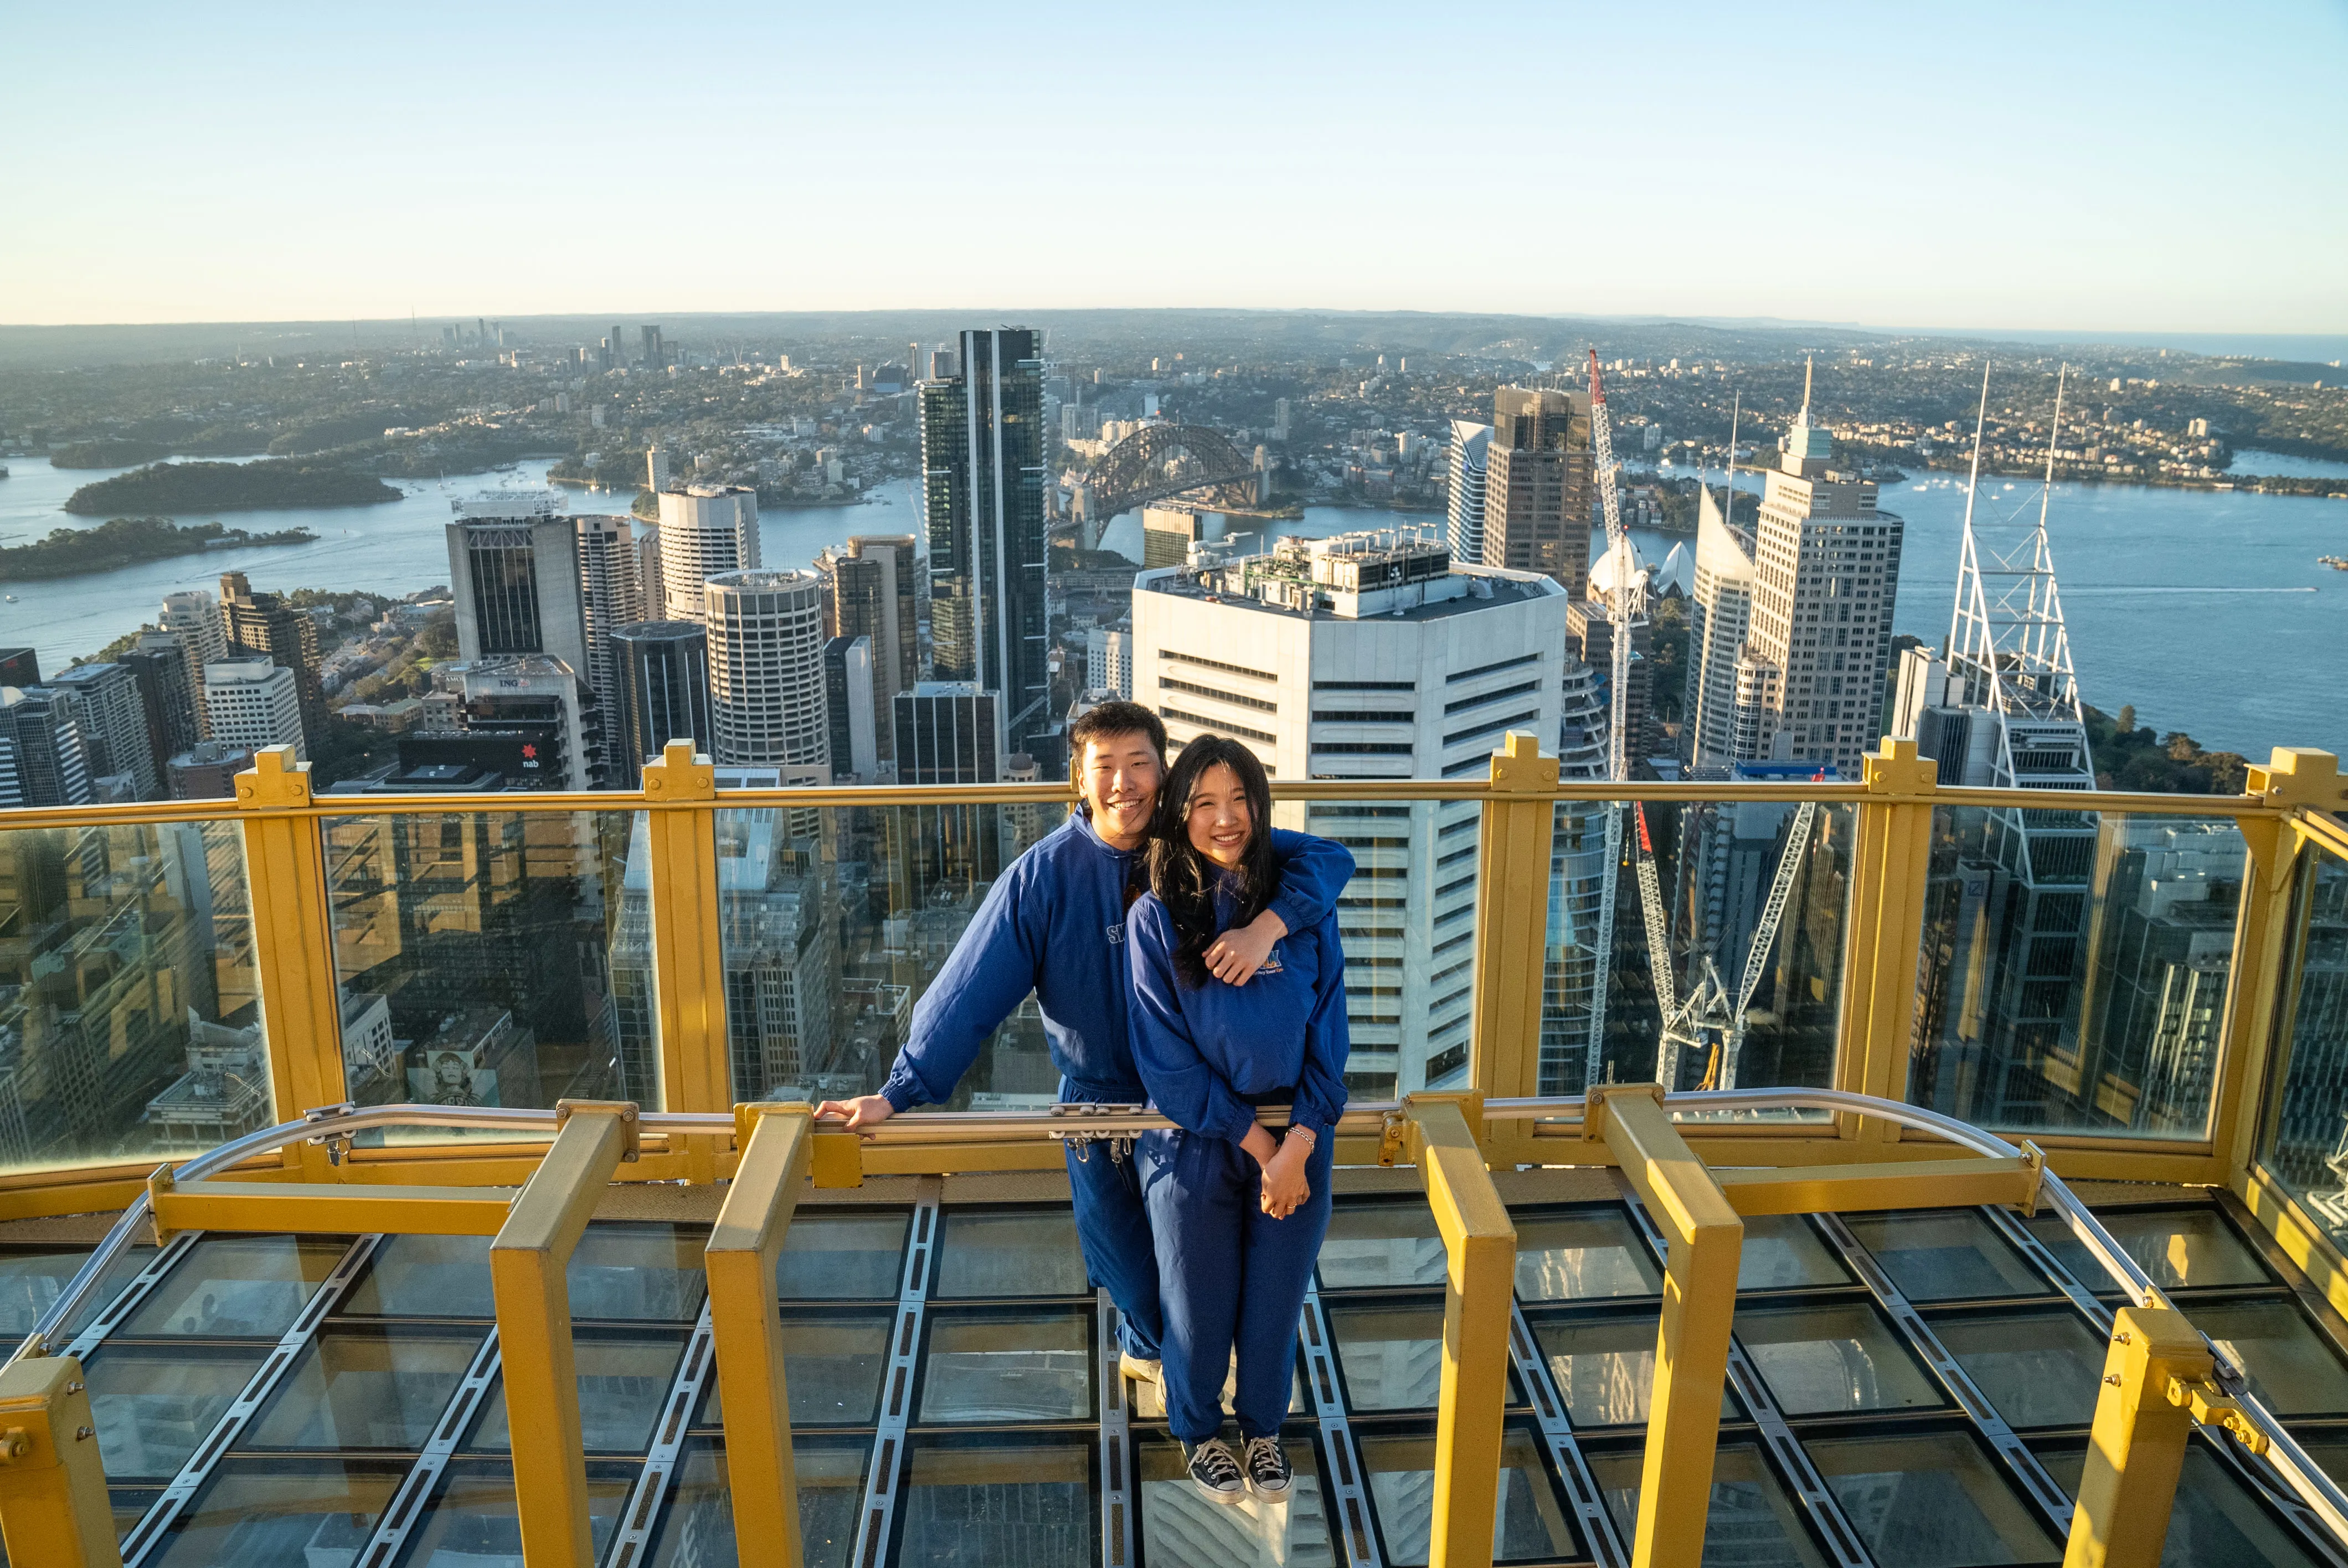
(2025, 176)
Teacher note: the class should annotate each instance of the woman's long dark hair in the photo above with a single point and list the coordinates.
(1185, 880)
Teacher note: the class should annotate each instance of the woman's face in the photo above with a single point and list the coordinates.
(1217, 816)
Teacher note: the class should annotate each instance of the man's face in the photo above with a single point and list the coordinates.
(1120, 779)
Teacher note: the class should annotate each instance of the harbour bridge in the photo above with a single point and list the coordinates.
(1161, 460)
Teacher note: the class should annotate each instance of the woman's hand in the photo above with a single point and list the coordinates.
(1284, 1187)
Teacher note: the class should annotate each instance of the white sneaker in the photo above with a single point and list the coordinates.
(1150, 1372)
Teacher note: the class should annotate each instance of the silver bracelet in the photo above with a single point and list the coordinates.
(1311, 1138)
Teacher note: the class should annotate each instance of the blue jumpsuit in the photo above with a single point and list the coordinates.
(1230, 1274)
(1053, 924)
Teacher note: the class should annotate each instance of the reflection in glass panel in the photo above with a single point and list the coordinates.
(1577, 1256)
(30, 1283)
(2184, 1249)
(129, 1504)
(127, 1265)
(2215, 1520)
(1529, 1523)
(2053, 1233)
(359, 1388)
(1931, 1500)
(1819, 1360)
(1374, 1243)
(281, 1513)
(424, 1276)
(985, 1505)
(1183, 1529)
(1734, 853)
(622, 1383)
(472, 1520)
(238, 1287)
(2301, 1125)
(1751, 1522)
(697, 1529)
(2290, 1367)
(1010, 1252)
(2038, 1369)
(153, 1404)
(1946, 1255)
(1007, 1367)
(642, 1271)
(842, 1257)
(1604, 1368)
(128, 998)
(2074, 970)
(1783, 1252)
(493, 957)
(1392, 1356)
(832, 1366)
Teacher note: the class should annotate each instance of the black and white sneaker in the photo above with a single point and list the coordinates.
(1216, 1471)
(1268, 1473)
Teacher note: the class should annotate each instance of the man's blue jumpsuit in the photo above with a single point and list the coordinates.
(1054, 923)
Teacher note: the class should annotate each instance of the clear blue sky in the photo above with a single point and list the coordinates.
(2148, 166)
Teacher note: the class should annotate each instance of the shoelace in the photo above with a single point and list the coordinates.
(1264, 1460)
(1217, 1467)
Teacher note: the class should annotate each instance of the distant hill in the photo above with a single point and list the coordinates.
(164, 488)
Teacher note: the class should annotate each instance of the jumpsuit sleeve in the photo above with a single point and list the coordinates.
(1320, 1088)
(1313, 872)
(990, 972)
(1180, 1081)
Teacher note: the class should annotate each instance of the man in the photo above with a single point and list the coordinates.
(1054, 924)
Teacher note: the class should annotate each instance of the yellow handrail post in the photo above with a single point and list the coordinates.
(1705, 1239)
(745, 1246)
(1512, 883)
(53, 1504)
(1480, 1246)
(688, 949)
(527, 1264)
(1883, 934)
(293, 942)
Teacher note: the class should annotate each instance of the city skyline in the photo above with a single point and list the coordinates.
(2009, 172)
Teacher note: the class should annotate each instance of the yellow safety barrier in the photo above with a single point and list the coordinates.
(53, 1504)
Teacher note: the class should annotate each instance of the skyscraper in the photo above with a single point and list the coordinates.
(20, 667)
(42, 760)
(1720, 613)
(867, 602)
(1470, 447)
(1109, 659)
(113, 722)
(662, 670)
(767, 704)
(704, 529)
(159, 663)
(949, 732)
(609, 597)
(262, 624)
(900, 645)
(255, 703)
(851, 708)
(983, 480)
(1539, 484)
(194, 617)
(515, 569)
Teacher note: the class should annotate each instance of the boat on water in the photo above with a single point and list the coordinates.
(2337, 563)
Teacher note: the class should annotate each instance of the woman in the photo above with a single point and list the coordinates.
(1239, 1210)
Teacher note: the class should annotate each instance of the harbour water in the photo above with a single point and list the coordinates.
(2206, 609)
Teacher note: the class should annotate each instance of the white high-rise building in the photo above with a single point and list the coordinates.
(1108, 660)
(1369, 656)
(112, 717)
(254, 704)
(1470, 445)
(766, 699)
(195, 615)
(704, 529)
(1720, 615)
(514, 571)
(610, 595)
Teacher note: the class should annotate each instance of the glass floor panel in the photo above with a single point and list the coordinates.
(281, 1513)
(1947, 1255)
(361, 1387)
(472, 1520)
(1826, 1360)
(1604, 1368)
(152, 1404)
(842, 1257)
(638, 1271)
(426, 1276)
(1785, 1252)
(1029, 1504)
(832, 1365)
(132, 1263)
(622, 1382)
(2288, 1364)
(2186, 1249)
(1183, 1529)
(697, 1529)
(1595, 1253)
(2038, 1369)
(2053, 1233)
(1387, 1244)
(1751, 1521)
(1530, 1523)
(985, 1365)
(2216, 1519)
(1930, 1500)
(30, 1283)
(1391, 1355)
(238, 1287)
(1010, 1252)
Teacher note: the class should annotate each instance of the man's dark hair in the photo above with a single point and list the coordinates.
(1108, 720)
(1186, 881)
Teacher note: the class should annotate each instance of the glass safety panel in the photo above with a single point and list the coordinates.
(696, 1531)
(1385, 1243)
(238, 1287)
(2074, 970)
(129, 1000)
(128, 1266)
(473, 1518)
(30, 1284)
(2038, 1369)
(858, 1256)
(1604, 1368)
(979, 1504)
(832, 1365)
(152, 1404)
(1930, 1500)
(1785, 1252)
(623, 1380)
(2216, 1519)
(1010, 1252)
(2186, 1249)
(361, 1387)
(1753, 1521)
(1391, 1355)
(1529, 1524)
(984, 1366)
(1946, 1255)
(2304, 1136)
(640, 1272)
(2291, 1367)
(424, 1276)
(1578, 1256)
(1823, 1360)
(281, 1513)
(494, 958)
(1181, 1528)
